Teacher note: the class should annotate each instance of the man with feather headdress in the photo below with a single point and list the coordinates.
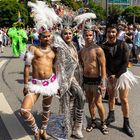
(93, 61)
(44, 81)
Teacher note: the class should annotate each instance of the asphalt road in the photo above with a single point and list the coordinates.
(12, 127)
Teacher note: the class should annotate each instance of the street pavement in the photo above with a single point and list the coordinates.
(12, 126)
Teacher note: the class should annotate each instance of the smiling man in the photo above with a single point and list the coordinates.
(118, 77)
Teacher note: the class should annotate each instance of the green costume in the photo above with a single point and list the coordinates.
(19, 39)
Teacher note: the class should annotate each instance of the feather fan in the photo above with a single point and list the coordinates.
(83, 17)
(44, 16)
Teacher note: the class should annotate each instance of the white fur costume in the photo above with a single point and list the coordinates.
(47, 87)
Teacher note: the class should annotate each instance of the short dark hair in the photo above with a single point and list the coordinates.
(42, 34)
(112, 26)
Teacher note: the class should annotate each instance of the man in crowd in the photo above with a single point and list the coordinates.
(94, 76)
(118, 77)
(43, 82)
(1, 41)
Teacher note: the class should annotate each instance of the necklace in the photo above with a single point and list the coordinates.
(89, 45)
(45, 50)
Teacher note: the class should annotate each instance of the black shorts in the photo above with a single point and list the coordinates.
(91, 80)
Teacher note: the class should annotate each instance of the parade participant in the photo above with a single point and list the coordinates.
(35, 37)
(119, 78)
(71, 94)
(94, 77)
(137, 42)
(44, 81)
(80, 21)
(1, 41)
(18, 37)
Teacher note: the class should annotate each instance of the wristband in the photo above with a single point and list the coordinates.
(103, 83)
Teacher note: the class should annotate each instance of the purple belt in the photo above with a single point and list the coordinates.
(44, 82)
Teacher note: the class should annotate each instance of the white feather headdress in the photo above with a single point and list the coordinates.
(83, 17)
(44, 16)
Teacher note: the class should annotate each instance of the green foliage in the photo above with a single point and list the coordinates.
(72, 4)
(67, 3)
(115, 9)
(9, 12)
(99, 11)
(130, 12)
(115, 12)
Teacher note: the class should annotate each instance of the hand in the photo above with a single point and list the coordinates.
(102, 88)
(112, 78)
(25, 91)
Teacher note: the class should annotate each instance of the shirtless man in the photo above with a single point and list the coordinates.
(118, 77)
(43, 82)
(94, 75)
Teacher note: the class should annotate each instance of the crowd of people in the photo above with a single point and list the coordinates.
(77, 63)
(128, 33)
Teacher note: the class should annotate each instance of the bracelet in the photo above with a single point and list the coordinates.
(25, 85)
(103, 83)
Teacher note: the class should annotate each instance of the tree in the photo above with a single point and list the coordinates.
(72, 4)
(114, 13)
(9, 12)
(99, 11)
(132, 14)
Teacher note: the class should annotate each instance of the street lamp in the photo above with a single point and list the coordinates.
(106, 8)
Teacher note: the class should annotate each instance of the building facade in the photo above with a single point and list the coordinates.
(123, 3)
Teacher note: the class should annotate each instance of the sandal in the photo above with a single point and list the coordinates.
(37, 135)
(44, 135)
(91, 126)
(104, 129)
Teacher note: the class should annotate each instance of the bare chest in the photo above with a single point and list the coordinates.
(89, 55)
(44, 54)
